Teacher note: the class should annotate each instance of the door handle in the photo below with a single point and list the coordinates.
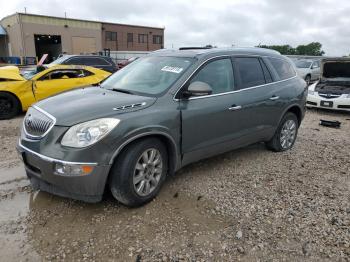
(234, 107)
(274, 98)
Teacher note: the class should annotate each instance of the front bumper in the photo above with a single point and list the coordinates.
(341, 103)
(40, 171)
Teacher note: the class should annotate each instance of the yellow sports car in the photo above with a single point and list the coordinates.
(20, 90)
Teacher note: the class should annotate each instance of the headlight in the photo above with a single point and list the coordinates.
(88, 133)
(310, 92)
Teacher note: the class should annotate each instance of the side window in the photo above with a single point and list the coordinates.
(283, 68)
(316, 64)
(217, 74)
(74, 61)
(95, 61)
(249, 71)
(268, 77)
(65, 74)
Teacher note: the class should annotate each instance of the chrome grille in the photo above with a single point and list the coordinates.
(328, 95)
(37, 123)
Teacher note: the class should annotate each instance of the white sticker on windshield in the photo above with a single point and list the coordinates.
(176, 70)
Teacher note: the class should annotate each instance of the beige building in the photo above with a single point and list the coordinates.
(29, 35)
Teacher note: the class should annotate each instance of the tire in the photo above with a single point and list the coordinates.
(9, 106)
(308, 79)
(130, 169)
(290, 122)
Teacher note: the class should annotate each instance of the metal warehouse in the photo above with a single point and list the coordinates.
(28, 35)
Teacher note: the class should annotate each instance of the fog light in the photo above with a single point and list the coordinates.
(72, 170)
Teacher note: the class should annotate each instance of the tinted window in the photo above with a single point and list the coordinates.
(283, 68)
(267, 74)
(75, 61)
(218, 74)
(95, 61)
(250, 72)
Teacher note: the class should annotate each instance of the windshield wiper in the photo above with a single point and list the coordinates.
(122, 91)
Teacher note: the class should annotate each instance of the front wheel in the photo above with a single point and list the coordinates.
(137, 175)
(285, 135)
(9, 106)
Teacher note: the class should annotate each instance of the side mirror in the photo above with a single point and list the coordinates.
(198, 89)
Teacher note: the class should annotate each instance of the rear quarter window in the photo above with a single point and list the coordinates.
(283, 68)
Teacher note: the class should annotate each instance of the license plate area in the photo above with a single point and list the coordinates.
(326, 103)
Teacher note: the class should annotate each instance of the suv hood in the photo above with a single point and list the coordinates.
(335, 69)
(90, 103)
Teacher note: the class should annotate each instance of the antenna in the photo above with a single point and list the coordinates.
(25, 10)
(65, 15)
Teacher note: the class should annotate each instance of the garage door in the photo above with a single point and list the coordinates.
(84, 44)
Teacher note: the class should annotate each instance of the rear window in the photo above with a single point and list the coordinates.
(250, 72)
(282, 67)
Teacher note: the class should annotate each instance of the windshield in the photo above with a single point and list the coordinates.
(58, 61)
(303, 64)
(28, 74)
(149, 75)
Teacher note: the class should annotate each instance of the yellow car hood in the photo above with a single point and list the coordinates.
(11, 73)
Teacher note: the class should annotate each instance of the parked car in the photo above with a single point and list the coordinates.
(158, 114)
(332, 91)
(309, 70)
(126, 62)
(102, 62)
(19, 91)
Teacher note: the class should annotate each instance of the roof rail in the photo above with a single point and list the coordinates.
(194, 47)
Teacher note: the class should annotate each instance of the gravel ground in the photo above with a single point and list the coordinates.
(250, 205)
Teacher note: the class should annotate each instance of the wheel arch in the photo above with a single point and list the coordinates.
(295, 109)
(165, 138)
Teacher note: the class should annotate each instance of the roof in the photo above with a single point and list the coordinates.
(84, 20)
(217, 51)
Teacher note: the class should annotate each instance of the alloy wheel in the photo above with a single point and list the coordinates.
(288, 134)
(147, 172)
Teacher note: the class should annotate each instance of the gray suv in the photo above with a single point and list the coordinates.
(160, 113)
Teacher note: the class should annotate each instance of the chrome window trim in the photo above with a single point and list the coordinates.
(53, 160)
(43, 135)
(230, 92)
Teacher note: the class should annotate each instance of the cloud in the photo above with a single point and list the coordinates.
(220, 22)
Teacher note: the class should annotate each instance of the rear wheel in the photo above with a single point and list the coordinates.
(139, 172)
(286, 134)
(9, 106)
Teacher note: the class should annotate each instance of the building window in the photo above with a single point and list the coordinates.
(111, 36)
(143, 38)
(157, 39)
(130, 37)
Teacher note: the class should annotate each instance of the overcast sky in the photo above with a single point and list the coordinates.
(216, 22)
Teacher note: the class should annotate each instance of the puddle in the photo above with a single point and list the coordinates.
(10, 174)
(13, 237)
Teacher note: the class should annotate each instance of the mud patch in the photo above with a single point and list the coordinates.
(169, 225)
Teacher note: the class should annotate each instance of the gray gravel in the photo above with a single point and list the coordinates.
(250, 205)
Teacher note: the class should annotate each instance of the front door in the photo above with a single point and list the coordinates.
(208, 122)
(58, 81)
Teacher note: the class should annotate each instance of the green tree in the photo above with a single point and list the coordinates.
(314, 49)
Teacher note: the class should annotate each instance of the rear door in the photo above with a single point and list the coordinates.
(255, 94)
(315, 70)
